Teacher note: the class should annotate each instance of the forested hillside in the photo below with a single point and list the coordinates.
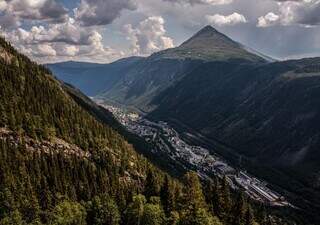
(266, 113)
(59, 165)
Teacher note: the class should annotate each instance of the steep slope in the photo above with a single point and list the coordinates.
(269, 113)
(52, 150)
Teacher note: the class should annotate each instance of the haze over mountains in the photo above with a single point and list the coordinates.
(266, 111)
(136, 84)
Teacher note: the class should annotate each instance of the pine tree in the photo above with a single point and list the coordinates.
(151, 186)
(14, 218)
(174, 218)
(153, 215)
(135, 210)
(239, 211)
(167, 196)
(195, 211)
(224, 200)
(70, 213)
(249, 217)
(103, 211)
(194, 197)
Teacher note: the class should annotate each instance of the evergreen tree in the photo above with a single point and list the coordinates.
(152, 185)
(249, 217)
(239, 211)
(14, 218)
(195, 211)
(135, 210)
(103, 211)
(174, 218)
(69, 213)
(153, 215)
(167, 196)
(193, 195)
(224, 200)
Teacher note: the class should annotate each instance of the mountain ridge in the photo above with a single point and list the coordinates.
(140, 83)
(209, 44)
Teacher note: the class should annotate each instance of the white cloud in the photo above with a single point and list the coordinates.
(14, 11)
(214, 2)
(65, 41)
(305, 13)
(221, 20)
(70, 50)
(148, 37)
(268, 20)
(101, 12)
(68, 32)
(206, 2)
(3, 5)
(45, 50)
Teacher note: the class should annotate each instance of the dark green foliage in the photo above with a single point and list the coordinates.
(152, 185)
(153, 214)
(14, 218)
(103, 211)
(135, 210)
(168, 196)
(69, 213)
(195, 210)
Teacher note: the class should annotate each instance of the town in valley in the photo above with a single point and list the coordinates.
(168, 141)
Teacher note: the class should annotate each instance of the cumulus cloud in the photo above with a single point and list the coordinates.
(3, 5)
(13, 11)
(148, 37)
(268, 20)
(45, 50)
(101, 12)
(298, 12)
(221, 20)
(207, 2)
(68, 32)
(62, 41)
(70, 50)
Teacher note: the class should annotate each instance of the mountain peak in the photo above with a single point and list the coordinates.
(209, 37)
(207, 30)
(209, 44)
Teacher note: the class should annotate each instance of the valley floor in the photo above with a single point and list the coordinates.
(167, 140)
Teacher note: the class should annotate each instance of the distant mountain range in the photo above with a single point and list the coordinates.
(265, 110)
(136, 81)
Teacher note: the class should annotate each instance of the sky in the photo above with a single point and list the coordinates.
(103, 31)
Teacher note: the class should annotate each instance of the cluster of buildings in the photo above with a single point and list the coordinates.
(167, 140)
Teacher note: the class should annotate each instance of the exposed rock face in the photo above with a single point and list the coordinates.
(5, 56)
(55, 145)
